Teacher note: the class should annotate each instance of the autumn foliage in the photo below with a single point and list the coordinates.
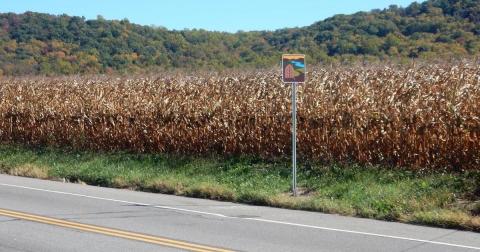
(415, 117)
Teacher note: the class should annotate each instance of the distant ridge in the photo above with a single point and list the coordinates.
(36, 43)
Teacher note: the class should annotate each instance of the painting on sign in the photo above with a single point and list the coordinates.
(293, 68)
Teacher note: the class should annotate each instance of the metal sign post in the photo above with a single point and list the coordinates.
(293, 71)
(294, 139)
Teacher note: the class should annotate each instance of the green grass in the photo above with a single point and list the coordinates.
(444, 199)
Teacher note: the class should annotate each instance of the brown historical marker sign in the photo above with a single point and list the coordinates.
(293, 68)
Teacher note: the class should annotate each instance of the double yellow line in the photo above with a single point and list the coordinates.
(111, 232)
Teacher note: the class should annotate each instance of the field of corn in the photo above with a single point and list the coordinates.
(414, 117)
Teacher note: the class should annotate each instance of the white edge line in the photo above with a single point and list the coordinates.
(364, 233)
(115, 200)
(253, 219)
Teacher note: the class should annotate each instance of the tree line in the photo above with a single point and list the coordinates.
(37, 43)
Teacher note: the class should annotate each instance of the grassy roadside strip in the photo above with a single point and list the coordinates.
(443, 199)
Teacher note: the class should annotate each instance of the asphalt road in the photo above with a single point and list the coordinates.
(38, 215)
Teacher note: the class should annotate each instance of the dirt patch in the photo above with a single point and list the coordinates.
(302, 192)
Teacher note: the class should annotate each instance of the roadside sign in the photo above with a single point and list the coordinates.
(293, 71)
(293, 68)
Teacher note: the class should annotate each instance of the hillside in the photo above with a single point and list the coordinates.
(36, 43)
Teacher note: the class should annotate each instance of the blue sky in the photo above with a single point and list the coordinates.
(219, 15)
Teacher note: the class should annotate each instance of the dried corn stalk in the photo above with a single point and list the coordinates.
(408, 117)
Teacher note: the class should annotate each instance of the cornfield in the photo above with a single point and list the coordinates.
(414, 117)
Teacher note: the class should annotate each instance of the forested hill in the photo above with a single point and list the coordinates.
(35, 43)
